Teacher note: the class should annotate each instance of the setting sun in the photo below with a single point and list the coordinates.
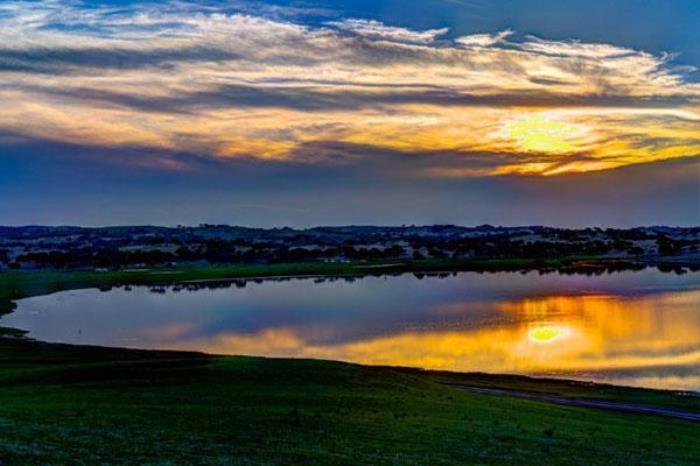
(547, 334)
(547, 134)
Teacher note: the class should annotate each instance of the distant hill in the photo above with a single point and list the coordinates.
(36, 247)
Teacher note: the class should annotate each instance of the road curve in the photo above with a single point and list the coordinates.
(586, 403)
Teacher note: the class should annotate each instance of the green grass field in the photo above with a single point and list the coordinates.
(81, 405)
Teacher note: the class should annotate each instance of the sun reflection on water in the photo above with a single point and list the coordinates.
(648, 338)
(546, 334)
(561, 335)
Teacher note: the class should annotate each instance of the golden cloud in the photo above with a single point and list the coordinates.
(246, 86)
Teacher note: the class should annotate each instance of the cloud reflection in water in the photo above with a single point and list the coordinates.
(635, 328)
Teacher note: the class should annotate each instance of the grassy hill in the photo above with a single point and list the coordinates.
(84, 405)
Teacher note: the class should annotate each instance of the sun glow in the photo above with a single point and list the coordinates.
(546, 134)
(562, 334)
(221, 86)
(545, 334)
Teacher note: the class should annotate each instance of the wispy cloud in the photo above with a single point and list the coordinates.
(377, 30)
(221, 82)
(483, 40)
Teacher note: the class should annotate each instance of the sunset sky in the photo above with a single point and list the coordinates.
(310, 112)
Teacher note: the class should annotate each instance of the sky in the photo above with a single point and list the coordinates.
(319, 112)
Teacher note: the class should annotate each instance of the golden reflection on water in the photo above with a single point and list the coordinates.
(560, 335)
(546, 334)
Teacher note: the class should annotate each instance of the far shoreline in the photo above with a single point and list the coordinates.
(20, 284)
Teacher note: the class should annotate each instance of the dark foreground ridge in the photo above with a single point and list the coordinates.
(77, 405)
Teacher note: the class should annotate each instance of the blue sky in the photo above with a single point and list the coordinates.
(656, 25)
(386, 112)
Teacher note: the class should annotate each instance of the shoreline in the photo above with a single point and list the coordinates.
(50, 282)
(512, 377)
(16, 285)
(478, 379)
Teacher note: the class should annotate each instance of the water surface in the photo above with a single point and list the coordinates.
(634, 328)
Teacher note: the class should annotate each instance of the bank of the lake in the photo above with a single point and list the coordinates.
(15, 285)
(87, 405)
(596, 327)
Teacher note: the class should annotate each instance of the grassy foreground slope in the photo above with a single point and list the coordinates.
(84, 405)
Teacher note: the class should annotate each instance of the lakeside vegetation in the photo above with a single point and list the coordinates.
(65, 248)
(86, 405)
(19, 284)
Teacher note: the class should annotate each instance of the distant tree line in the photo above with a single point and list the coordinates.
(121, 247)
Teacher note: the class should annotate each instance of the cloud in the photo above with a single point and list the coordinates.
(328, 183)
(237, 81)
(578, 49)
(377, 30)
(75, 60)
(483, 40)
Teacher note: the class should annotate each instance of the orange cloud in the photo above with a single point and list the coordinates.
(248, 86)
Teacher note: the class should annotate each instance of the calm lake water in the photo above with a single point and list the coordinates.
(634, 328)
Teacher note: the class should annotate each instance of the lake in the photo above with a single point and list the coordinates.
(638, 328)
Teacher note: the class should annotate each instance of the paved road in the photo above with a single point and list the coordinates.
(585, 403)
